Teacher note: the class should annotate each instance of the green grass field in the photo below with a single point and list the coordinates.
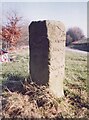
(75, 66)
(76, 69)
(75, 102)
(19, 68)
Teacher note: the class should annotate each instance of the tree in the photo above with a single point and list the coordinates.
(11, 31)
(73, 34)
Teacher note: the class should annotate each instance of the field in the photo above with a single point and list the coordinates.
(75, 103)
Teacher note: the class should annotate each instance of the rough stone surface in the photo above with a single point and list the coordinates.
(47, 54)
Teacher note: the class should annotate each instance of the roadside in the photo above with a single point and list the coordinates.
(75, 50)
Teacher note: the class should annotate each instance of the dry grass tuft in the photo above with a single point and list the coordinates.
(33, 102)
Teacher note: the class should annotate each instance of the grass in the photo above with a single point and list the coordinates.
(75, 103)
(75, 82)
(19, 68)
(76, 68)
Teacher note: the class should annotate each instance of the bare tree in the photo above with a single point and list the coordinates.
(11, 31)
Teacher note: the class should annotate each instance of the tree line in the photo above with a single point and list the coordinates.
(11, 32)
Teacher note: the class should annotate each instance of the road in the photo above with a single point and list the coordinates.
(75, 50)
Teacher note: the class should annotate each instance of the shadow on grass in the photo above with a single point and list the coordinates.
(14, 83)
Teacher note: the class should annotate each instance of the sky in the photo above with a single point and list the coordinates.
(44, 0)
(70, 13)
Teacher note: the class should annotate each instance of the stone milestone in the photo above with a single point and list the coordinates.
(47, 54)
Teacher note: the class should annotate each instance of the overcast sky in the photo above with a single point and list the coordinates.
(70, 13)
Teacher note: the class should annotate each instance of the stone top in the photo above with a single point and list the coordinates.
(58, 23)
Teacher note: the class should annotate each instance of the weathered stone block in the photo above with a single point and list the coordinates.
(47, 54)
